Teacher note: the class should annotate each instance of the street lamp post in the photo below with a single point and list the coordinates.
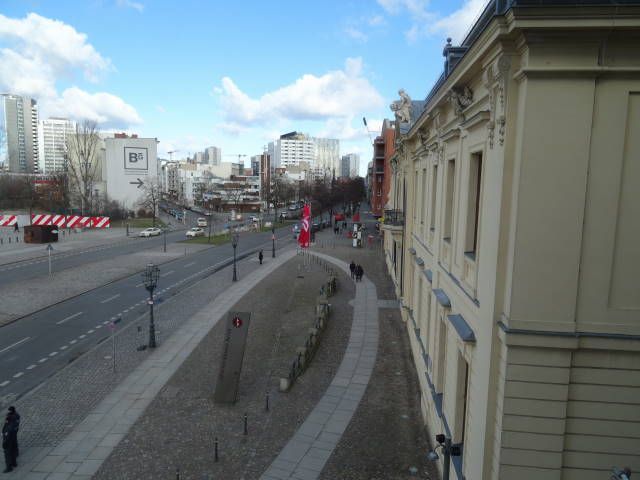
(448, 449)
(150, 279)
(234, 243)
(273, 242)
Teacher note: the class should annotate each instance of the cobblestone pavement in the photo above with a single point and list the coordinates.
(51, 411)
(179, 427)
(45, 291)
(387, 435)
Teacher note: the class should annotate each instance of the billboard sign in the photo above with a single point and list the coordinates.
(136, 158)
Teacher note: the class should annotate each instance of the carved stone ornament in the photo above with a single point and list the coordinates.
(460, 99)
(424, 137)
(402, 108)
(489, 80)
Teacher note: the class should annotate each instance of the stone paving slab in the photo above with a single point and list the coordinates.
(306, 453)
(158, 367)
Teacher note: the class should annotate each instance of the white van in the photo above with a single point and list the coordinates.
(202, 222)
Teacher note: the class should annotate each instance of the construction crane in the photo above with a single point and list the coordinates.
(239, 155)
(171, 154)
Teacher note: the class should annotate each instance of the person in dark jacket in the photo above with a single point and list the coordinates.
(260, 257)
(16, 417)
(352, 268)
(359, 273)
(10, 442)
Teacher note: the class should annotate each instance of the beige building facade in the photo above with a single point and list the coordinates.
(513, 241)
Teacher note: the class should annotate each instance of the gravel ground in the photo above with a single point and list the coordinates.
(179, 427)
(386, 436)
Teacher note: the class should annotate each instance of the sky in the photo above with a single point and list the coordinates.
(231, 74)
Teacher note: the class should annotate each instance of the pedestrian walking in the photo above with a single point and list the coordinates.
(352, 268)
(10, 443)
(16, 417)
(16, 228)
(260, 257)
(359, 273)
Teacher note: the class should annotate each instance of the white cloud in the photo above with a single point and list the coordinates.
(376, 21)
(343, 129)
(356, 34)
(38, 51)
(129, 4)
(103, 108)
(425, 22)
(339, 93)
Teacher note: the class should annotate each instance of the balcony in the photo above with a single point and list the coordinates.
(394, 217)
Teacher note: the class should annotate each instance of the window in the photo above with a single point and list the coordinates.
(462, 393)
(473, 205)
(442, 354)
(415, 194)
(432, 207)
(448, 206)
(423, 198)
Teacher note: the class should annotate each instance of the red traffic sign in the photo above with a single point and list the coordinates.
(237, 322)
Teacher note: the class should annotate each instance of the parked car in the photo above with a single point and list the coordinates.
(254, 219)
(202, 222)
(195, 232)
(150, 232)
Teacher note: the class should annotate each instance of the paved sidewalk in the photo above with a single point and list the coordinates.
(83, 451)
(309, 449)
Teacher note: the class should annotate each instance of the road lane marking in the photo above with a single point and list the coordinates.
(18, 375)
(91, 331)
(140, 284)
(110, 298)
(5, 383)
(42, 360)
(167, 273)
(17, 343)
(31, 367)
(53, 354)
(82, 336)
(70, 317)
(189, 264)
(73, 341)
(63, 347)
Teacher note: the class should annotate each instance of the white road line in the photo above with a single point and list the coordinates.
(63, 347)
(110, 298)
(167, 273)
(139, 285)
(98, 326)
(73, 341)
(68, 318)
(91, 331)
(189, 264)
(82, 336)
(42, 360)
(18, 375)
(107, 321)
(53, 354)
(31, 367)
(5, 383)
(17, 343)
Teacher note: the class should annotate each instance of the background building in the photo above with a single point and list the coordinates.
(327, 155)
(212, 156)
(349, 166)
(18, 133)
(513, 242)
(291, 149)
(53, 134)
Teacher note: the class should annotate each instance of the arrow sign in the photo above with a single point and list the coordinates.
(139, 183)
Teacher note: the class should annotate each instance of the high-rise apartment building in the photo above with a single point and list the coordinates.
(350, 165)
(212, 156)
(54, 133)
(18, 133)
(327, 154)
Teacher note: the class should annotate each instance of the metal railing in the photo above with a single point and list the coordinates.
(394, 217)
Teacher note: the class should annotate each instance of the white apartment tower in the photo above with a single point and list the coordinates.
(327, 155)
(54, 133)
(18, 133)
(291, 149)
(212, 156)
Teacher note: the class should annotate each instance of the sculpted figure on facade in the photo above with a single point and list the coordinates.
(460, 98)
(402, 108)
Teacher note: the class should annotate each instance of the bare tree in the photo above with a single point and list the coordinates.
(83, 158)
(150, 198)
(234, 191)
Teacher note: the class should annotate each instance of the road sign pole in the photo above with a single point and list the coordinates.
(165, 239)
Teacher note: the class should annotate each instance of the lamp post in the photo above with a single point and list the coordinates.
(448, 449)
(234, 243)
(273, 242)
(150, 278)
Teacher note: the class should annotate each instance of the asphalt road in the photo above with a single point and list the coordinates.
(35, 347)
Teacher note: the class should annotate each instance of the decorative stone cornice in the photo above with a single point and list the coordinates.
(460, 98)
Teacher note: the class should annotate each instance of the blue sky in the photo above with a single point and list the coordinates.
(231, 74)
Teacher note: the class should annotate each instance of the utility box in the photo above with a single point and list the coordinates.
(40, 234)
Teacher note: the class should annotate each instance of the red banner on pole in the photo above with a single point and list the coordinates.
(303, 238)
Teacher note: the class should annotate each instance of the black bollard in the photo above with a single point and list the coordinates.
(246, 428)
(215, 450)
(177, 474)
(266, 400)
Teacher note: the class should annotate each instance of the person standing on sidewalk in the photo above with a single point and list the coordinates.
(10, 443)
(260, 257)
(352, 268)
(16, 418)
(15, 227)
(359, 273)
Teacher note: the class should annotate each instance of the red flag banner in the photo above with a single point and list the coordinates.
(356, 217)
(305, 232)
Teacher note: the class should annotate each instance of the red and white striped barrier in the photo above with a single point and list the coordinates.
(59, 220)
(8, 220)
(76, 221)
(41, 219)
(100, 222)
